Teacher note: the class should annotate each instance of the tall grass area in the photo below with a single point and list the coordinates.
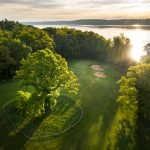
(98, 100)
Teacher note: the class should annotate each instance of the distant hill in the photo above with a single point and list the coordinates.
(94, 22)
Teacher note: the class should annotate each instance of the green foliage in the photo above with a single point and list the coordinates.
(18, 49)
(134, 103)
(10, 25)
(145, 59)
(46, 73)
(34, 38)
(29, 104)
(125, 132)
(20, 40)
(24, 97)
(6, 60)
(128, 91)
(142, 74)
(71, 43)
(14, 51)
(147, 48)
(120, 51)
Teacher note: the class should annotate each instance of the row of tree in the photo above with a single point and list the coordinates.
(17, 41)
(133, 125)
(72, 43)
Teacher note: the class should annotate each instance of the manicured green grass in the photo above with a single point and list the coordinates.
(98, 101)
(66, 114)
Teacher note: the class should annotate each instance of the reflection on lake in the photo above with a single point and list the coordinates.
(139, 37)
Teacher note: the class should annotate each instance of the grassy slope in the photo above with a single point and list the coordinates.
(97, 98)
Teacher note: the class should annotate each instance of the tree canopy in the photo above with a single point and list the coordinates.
(147, 48)
(119, 53)
(145, 59)
(20, 40)
(33, 37)
(43, 75)
(72, 43)
(134, 101)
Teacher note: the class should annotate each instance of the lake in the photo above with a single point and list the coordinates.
(138, 35)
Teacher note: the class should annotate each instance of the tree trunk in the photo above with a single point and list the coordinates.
(47, 106)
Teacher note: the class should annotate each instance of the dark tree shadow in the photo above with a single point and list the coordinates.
(18, 140)
(77, 137)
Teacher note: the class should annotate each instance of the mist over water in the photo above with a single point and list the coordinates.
(139, 36)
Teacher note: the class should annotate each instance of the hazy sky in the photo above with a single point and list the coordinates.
(73, 9)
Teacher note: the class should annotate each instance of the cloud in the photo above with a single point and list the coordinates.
(72, 3)
(73, 9)
(33, 3)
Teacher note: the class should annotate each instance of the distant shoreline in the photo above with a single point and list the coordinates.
(120, 26)
(144, 27)
(120, 22)
(98, 23)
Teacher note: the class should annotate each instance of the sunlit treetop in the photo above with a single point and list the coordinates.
(46, 73)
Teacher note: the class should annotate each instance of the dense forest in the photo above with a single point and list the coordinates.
(17, 41)
(71, 43)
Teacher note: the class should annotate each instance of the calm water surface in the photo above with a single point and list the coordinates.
(138, 36)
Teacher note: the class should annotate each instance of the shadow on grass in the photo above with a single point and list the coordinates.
(89, 135)
(63, 107)
(25, 128)
(18, 140)
(8, 142)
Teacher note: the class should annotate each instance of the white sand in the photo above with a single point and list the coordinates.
(97, 67)
(99, 71)
(100, 75)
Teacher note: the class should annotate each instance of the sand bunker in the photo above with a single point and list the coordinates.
(97, 68)
(100, 75)
(99, 71)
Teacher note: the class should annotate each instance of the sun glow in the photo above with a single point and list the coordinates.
(136, 25)
(137, 51)
(137, 46)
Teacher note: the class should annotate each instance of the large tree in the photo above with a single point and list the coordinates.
(43, 75)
